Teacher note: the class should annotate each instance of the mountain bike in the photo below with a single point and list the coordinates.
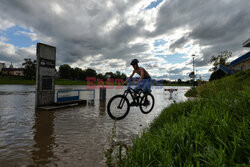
(119, 105)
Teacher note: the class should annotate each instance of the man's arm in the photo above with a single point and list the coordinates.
(130, 77)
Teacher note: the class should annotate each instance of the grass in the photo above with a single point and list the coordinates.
(4, 80)
(191, 93)
(211, 131)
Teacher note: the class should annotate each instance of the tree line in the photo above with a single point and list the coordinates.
(67, 72)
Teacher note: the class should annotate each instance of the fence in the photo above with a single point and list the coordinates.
(74, 95)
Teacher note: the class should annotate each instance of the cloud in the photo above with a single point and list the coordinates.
(177, 70)
(9, 53)
(5, 24)
(76, 29)
(218, 24)
(122, 30)
(31, 35)
(178, 43)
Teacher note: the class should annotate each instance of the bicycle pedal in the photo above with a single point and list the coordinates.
(133, 104)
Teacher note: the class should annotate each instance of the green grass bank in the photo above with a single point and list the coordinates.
(10, 80)
(211, 131)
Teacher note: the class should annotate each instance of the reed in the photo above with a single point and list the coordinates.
(210, 131)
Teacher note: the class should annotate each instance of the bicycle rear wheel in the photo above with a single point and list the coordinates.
(147, 106)
(118, 107)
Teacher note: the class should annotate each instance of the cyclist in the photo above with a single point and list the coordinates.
(144, 81)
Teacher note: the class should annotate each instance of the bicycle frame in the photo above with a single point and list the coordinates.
(130, 91)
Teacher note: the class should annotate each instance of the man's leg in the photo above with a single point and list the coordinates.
(137, 88)
(147, 89)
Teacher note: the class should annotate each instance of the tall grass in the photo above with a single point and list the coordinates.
(211, 131)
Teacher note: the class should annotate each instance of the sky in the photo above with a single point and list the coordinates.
(106, 35)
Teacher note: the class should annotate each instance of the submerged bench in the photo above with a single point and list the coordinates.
(70, 97)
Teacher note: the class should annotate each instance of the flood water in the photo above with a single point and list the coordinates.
(73, 136)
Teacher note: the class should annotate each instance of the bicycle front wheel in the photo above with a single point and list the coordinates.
(147, 104)
(118, 107)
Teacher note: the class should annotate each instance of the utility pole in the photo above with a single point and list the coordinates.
(193, 70)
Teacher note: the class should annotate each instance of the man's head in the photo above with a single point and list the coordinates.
(134, 63)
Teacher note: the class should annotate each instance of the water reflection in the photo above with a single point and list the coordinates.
(171, 95)
(44, 138)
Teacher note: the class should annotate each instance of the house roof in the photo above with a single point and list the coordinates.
(223, 68)
(246, 43)
(240, 59)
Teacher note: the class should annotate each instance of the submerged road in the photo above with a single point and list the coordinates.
(73, 136)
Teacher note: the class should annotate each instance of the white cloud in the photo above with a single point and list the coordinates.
(33, 36)
(5, 24)
(57, 8)
(122, 30)
(10, 53)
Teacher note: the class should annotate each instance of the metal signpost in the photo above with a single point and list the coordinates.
(45, 74)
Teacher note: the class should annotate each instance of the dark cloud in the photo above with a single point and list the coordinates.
(221, 25)
(78, 31)
(175, 71)
(178, 44)
(199, 61)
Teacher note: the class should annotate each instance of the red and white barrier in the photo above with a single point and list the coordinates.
(170, 90)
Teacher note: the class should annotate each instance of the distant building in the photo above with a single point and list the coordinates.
(12, 71)
(2, 65)
(240, 64)
(224, 69)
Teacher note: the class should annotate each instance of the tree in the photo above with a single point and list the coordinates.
(179, 81)
(90, 73)
(65, 71)
(123, 76)
(29, 68)
(110, 75)
(77, 73)
(221, 58)
(100, 76)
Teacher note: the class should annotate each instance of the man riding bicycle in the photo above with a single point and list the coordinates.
(119, 105)
(144, 81)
